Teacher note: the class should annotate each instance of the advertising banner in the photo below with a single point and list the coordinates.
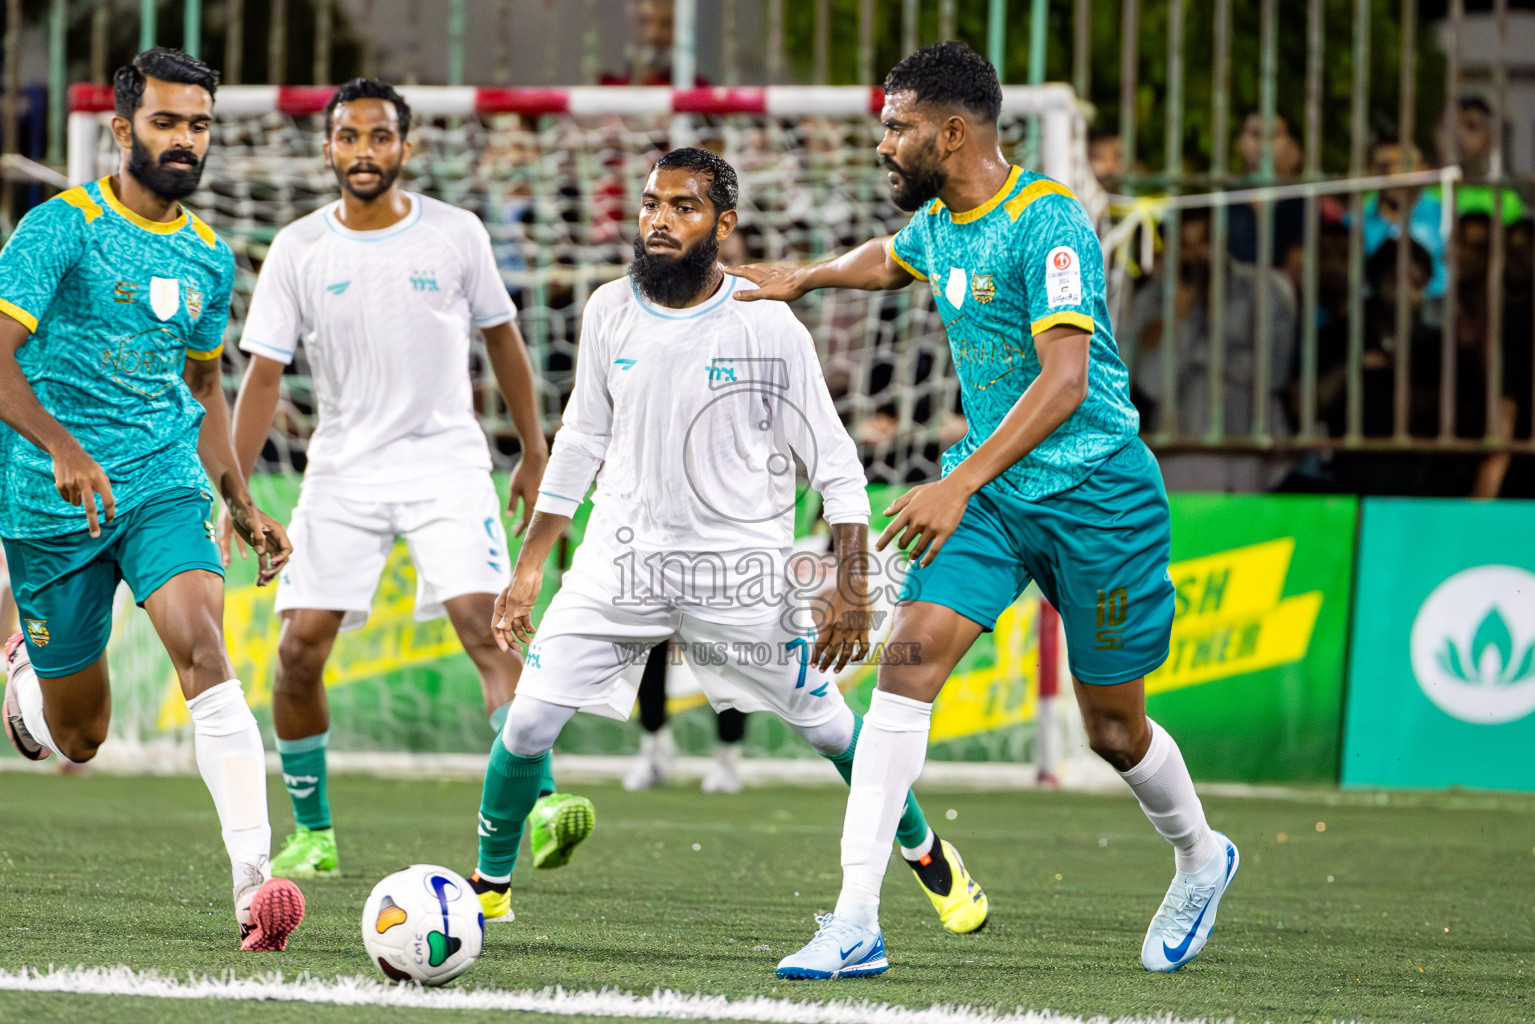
(1253, 683)
(1442, 669)
(1251, 687)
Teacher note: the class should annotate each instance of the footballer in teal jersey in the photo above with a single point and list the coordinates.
(1050, 484)
(113, 302)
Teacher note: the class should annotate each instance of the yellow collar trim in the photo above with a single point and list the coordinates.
(158, 227)
(992, 203)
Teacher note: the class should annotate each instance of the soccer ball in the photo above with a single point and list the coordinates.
(423, 924)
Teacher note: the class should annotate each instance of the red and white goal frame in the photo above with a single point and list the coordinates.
(1063, 136)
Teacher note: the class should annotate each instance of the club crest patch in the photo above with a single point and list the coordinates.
(164, 296)
(983, 288)
(37, 632)
(194, 303)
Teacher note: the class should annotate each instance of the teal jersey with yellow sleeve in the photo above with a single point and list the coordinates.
(115, 304)
(1022, 262)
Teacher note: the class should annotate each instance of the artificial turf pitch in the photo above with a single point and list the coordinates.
(1347, 907)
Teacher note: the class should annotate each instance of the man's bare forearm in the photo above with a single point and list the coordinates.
(19, 408)
(513, 367)
(213, 444)
(868, 268)
(1048, 402)
(255, 409)
(543, 532)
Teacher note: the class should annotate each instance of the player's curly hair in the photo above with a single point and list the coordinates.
(369, 89)
(949, 74)
(724, 189)
(164, 63)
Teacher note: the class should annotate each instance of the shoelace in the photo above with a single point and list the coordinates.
(828, 926)
(1184, 909)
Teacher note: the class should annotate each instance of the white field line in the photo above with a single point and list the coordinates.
(359, 991)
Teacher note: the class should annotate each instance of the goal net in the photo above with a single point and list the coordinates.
(556, 176)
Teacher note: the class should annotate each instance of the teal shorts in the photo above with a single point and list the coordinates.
(1099, 552)
(64, 585)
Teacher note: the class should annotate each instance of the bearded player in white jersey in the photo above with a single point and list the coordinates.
(384, 287)
(689, 410)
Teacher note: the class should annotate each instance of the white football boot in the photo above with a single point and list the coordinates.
(841, 948)
(1183, 922)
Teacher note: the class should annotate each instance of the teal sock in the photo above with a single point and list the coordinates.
(303, 773)
(511, 790)
(546, 780)
(912, 829)
(498, 717)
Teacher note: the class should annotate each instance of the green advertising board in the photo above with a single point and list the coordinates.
(1442, 669)
(1253, 683)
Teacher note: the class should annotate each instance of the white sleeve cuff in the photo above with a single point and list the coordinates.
(846, 508)
(556, 504)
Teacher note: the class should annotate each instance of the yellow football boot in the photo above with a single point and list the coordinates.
(961, 904)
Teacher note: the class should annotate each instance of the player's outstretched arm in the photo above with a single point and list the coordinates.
(870, 267)
(927, 515)
(513, 367)
(77, 476)
(512, 620)
(263, 533)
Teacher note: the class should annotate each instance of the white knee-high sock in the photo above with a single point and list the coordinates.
(29, 695)
(891, 750)
(233, 766)
(1162, 784)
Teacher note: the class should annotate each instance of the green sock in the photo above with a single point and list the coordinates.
(546, 780)
(912, 829)
(511, 790)
(303, 772)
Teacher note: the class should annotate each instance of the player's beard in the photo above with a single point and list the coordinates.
(173, 176)
(916, 184)
(673, 280)
(385, 181)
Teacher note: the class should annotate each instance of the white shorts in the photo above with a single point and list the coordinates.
(588, 653)
(340, 547)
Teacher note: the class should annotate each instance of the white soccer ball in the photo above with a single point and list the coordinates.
(423, 924)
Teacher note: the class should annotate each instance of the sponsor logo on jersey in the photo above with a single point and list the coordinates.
(145, 362)
(720, 372)
(164, 296)
(194, 303)
(1473, 645)
(338, 287)
(983, 288)
(37, 632)
(125, 292)
(624, 364)
(424, 280)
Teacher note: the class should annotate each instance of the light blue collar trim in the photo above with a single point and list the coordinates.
(412, 218)
(722, 296)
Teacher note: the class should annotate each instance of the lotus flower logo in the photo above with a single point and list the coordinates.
(1490, 659)
(1473, 645)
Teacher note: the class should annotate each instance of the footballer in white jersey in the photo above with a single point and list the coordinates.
(383, 287)
(690, 411)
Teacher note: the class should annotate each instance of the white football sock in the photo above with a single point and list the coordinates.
(1162, 784)
(233, 766)
(891, 750)
(920, 850)
(29, 696)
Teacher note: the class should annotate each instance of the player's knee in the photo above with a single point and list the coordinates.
(1113, 738)
(79, 741)
(918, 681)
(532, 726)
(300, 661)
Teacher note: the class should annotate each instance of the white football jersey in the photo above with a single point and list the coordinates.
(691, 421)
(385, 317)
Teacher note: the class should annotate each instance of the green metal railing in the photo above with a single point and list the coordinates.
(1028, 40)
